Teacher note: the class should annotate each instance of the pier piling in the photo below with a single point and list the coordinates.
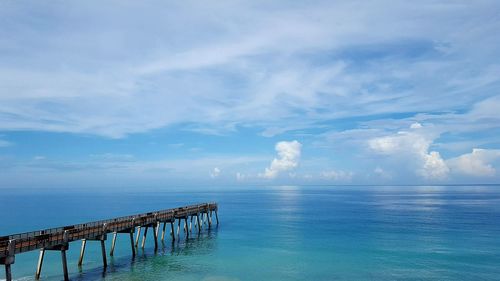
(113, 243)
(132, 243)
(198, 222)
(144, 237)
(64, 264)
(163, 231)
(103, 251)
(209, 219)
(155, 235)
(137, 236)
(8, 273)
(172, 231)
(39, 265)
(9, 257)
(82, 252)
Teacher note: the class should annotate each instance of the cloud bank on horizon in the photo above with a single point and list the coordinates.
(249, 92)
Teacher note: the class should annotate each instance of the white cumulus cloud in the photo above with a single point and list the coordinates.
(288, 158)
(215, 173)
(434, 166)
(412, 146)
(477, 163)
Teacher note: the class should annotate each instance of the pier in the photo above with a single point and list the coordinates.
(58, 239)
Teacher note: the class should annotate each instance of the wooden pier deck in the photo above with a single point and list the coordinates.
(57, 239)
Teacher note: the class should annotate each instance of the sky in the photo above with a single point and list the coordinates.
(171, 93)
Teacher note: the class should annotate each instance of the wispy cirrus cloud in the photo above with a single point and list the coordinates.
(265, 65)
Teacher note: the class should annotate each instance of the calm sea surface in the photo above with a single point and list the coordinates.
(280, 233)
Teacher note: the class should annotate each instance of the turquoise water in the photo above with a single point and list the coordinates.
(280, 233)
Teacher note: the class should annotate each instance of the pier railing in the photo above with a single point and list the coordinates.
(55, 238)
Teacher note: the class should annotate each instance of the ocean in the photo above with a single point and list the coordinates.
(277, 233)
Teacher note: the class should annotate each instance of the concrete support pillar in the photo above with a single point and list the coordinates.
(64, 264)
(172, 231)
(138, 235)
(40, 264)
(82, 252)
(155, 234)
(132, 243)
(113, 243)
(9, 259)
(103, 251)
(63, 249)
(144, 237)
(209, 219)
(216, 217)
(178, 227)
(199, 224)
(186, 227)
(163, 232)
(8, 273)
(191, 223)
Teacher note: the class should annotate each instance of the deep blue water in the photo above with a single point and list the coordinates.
(280, 233)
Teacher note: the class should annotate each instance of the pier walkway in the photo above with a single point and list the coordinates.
(57, 239)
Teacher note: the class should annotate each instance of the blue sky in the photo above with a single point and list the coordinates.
(155, 93)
